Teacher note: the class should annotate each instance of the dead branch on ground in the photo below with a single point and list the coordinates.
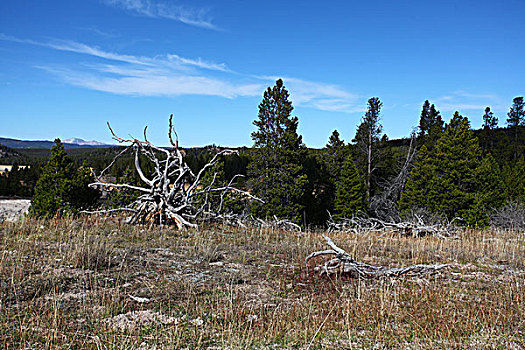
(344, 264)
(360, 223)
(248, 220)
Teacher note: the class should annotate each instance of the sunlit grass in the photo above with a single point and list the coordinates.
(67, 283)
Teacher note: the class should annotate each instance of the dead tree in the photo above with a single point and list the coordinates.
(344, 264)
(510, 217)
(173, 193)
(416, 226)
(384, 205)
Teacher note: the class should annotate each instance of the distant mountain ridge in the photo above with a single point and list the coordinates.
(80, 142)
(44, 144)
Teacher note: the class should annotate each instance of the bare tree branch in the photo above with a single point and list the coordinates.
(172, 192)
(344, 264)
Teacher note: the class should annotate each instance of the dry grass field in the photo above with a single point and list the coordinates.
(104, 285)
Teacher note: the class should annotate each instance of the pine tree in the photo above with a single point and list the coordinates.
(62, 187)
(490, 121)
(416, 194)
(454, 180)
(489, 192)
(516, 115)
(424, 119)
(323, 175)
(350, 191)
(514, 180)
(516, 121)
(457, 156)
(367, 140)
(335, 154)
(436, 126)
(430, 125)
(276, 170)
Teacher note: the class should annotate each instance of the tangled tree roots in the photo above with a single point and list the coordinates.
(172, 194)
(344, 264)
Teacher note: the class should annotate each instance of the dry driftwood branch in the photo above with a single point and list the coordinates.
(172, 194)
(248, 220)
(344, 264)
(360, 223)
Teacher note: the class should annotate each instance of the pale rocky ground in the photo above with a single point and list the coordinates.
(13, 209)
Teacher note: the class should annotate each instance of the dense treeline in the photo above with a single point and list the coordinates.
(444, 169)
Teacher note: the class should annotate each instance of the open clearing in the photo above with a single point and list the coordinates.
(105, 285)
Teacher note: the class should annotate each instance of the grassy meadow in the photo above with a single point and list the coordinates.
(99, 284)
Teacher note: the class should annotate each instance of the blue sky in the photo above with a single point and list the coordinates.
(67, 67)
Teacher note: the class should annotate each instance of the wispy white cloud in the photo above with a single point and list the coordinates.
(468, 102)
(199, 62)
(73, 46)
(100, 32)
(76, 47)
(143, 83)
(157, 9)
(322, 96)
(174, 75)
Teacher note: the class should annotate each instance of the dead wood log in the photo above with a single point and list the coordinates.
(360, 223)
(172, 193)
(248, 220)
(344, 264)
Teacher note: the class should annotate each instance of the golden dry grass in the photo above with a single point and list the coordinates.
(102, 285)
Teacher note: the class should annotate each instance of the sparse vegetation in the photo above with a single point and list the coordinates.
(94, 283)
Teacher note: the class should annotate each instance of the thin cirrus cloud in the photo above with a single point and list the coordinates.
(156, 9)
(171, 75)
(322, 96)
(461, 100)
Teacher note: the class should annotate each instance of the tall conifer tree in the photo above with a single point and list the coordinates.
(430, 125)
(335, 154)
(62, 187)
(276, 169)
(490, 121)
(350, 191)
(516, 121)
(367, 138)
(454, 180)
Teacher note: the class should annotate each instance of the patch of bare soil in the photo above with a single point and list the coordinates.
(13, 209)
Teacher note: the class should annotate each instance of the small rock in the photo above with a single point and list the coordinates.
(197, 322)
(139, 299)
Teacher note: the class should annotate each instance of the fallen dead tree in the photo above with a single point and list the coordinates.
(248, 220)
(344, 264)
(172, 194)
(360, 223)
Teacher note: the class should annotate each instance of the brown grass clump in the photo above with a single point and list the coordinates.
(104, 285)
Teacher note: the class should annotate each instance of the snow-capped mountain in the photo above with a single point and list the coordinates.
(80, 142)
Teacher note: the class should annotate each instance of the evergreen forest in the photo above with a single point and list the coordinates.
(444, 169)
